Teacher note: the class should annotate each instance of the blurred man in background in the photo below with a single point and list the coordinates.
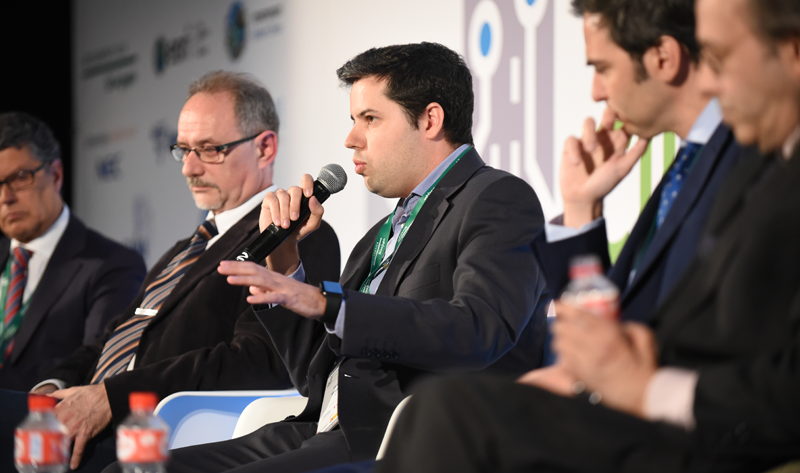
(62, 282)
(647, 72)
(187, 329)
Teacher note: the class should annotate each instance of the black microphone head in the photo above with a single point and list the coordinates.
(333, 177)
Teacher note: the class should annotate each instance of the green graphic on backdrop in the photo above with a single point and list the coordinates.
(645, 181)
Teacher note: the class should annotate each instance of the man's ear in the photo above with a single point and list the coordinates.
(267, 147)
(667, 61)
(57, 173)
(432, 121)
(789, 52)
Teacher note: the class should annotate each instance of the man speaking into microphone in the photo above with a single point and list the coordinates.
(445, 283)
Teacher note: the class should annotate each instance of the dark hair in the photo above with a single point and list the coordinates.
(638, 25)
(776, 19)
(417, 75)
(20, 129)
(255, 111)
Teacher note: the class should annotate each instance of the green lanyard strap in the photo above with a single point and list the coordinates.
(377, 263)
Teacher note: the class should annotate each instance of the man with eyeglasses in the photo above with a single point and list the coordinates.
(61, 283)
(188, 329)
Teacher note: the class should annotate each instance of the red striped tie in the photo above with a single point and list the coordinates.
(16, 287)
(121, 346)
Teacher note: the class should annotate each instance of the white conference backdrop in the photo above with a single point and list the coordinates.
(134, 61)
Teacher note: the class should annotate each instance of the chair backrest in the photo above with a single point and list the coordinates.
(197, 417)
(390, 427)
(266, 410)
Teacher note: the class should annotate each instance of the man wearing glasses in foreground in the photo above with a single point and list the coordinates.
(187, 329)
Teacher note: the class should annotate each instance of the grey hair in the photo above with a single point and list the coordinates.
(255, 111)
(20, 129)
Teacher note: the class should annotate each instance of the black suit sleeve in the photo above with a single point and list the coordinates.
(554, 258)
(113, 288)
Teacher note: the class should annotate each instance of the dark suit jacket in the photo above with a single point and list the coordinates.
(88, 280)
(463, 293)
(672, 247)
(735, 316)
(205, 336)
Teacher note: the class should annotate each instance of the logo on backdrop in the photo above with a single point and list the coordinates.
(172, 51)
(142, 217)
(507, 43)
(114, 64)
(162, 137)
(108, 167)
(267, 21)
(235, 32)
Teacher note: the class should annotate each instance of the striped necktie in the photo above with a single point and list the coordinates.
(13, 312)
(121, 346)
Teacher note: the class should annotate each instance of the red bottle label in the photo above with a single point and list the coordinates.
(141, 446)
(607, 308)
(40, 448)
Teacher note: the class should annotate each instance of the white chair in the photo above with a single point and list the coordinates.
(390, 427)
(267, 410)
(197, 417)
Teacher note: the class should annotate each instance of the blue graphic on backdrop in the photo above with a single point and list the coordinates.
(163, 137)
(510, 54)
(107, 167)
(236, 32)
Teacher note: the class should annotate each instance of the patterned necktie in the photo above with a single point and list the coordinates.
(13, 312)
(683, 164)
(121, 346)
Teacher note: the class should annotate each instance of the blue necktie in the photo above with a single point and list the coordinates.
(675, 178)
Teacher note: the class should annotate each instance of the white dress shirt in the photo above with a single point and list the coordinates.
(42, 249)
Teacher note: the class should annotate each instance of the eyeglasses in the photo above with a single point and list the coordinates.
(22, 179)
(207, 154)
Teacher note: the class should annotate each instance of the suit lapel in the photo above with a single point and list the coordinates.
(729, 217)
(684, 202)
(427, 220)
(231, 242)
(357, 268)
(57, 276)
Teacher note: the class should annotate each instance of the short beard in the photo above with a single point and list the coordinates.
(196, 181)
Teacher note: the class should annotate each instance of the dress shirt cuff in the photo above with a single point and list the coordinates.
(555, 232)
(669, 397)
(60, 384)
(338, 328)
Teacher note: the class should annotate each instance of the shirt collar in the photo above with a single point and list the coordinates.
(45, 244)
(790, 145)
(228, 218)
(706, 124)
(409, 203)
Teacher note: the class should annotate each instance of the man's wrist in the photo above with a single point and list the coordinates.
(284, 260)
(577, 215)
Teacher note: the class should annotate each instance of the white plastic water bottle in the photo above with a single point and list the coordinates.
(142, 439)
(591, 289)
(41, 443)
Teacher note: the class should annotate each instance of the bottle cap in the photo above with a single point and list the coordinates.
(39, 402)
(585, 266)
(143, 401)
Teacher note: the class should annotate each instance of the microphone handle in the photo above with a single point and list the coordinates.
(273, 236)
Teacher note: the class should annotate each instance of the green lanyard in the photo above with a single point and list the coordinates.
(379, 249)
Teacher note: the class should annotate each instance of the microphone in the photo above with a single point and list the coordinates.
(331, 180)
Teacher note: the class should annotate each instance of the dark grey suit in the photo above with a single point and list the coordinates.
(463, 293)
(88, 281)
